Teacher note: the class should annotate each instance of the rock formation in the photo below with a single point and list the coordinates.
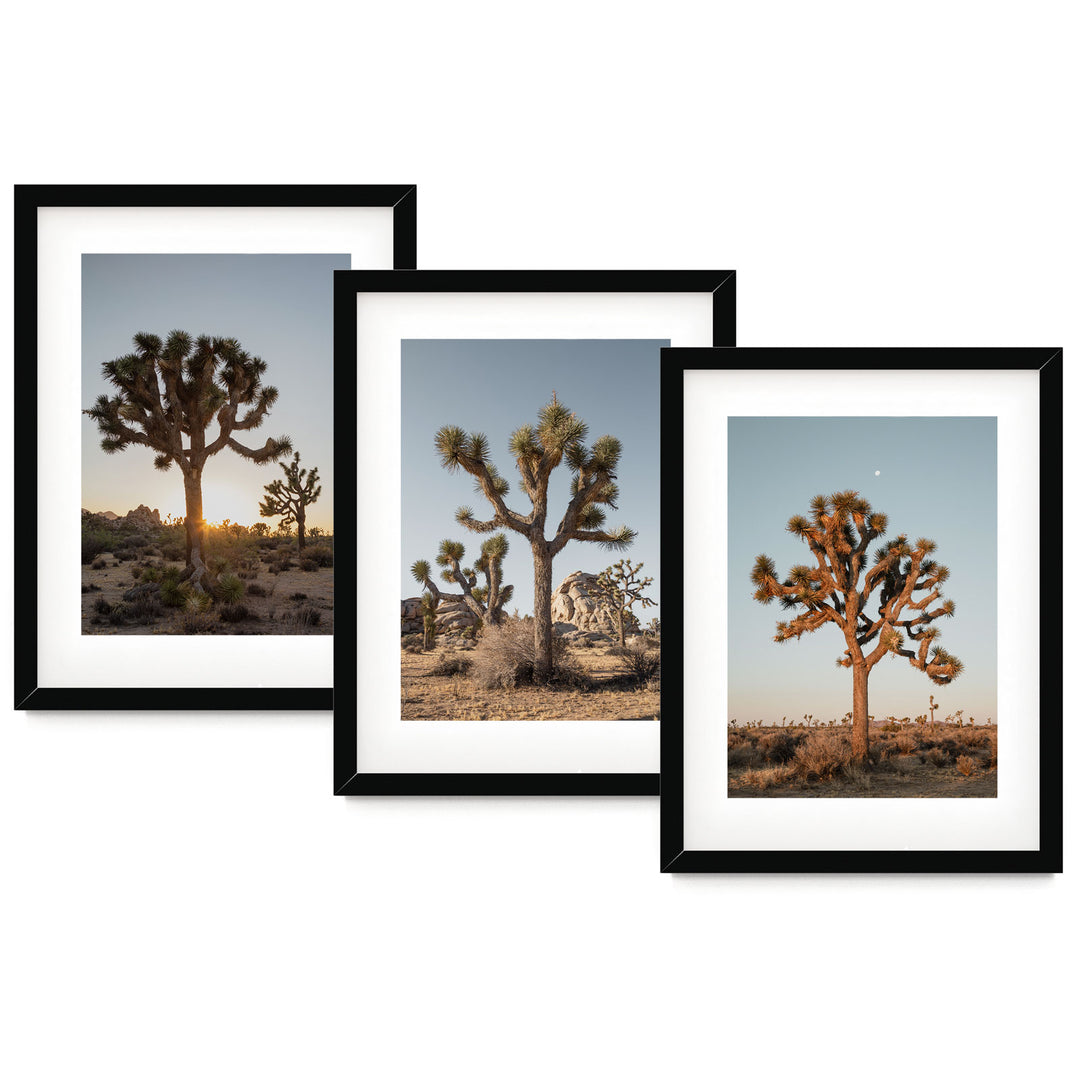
(452, 617)
(578, 603)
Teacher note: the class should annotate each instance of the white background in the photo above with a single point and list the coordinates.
(182, 896)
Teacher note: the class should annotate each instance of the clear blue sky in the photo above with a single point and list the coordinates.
(279, 307)
(495, 387)
(938, 478)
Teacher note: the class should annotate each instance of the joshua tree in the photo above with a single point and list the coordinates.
(537, 451)
(933, 709)
(620, 584)
(172, 390)
(429, 605)
(290, 498)
(838, 533)
(487, 602)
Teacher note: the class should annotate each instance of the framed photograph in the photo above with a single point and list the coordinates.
(506, 489)
(871, 658)
(175, 438)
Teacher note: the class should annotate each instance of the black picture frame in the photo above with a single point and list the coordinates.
(29, 199)
(674, 856)
(348, 780)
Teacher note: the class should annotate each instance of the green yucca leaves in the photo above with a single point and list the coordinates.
(420, 570)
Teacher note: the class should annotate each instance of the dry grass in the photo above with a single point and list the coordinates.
(603, 693)
(947, 762)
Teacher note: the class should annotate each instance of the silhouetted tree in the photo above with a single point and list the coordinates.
(289, 498)
(839, 532)
(172, 391)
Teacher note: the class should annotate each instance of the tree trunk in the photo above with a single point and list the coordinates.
(542, 615)
(195, 530)
(300, 530)
(622, 628)
(860, 720)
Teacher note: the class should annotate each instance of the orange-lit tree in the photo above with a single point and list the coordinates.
(888, 613)
(167, 395)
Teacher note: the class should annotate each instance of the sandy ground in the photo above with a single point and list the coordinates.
(427, 697)
(927, 782)
(318, 588)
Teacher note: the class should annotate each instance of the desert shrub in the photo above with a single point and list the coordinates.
(764, 778)
(409, 639)
(191, 622)
(151, 574)
(172, 592)
(778, 747)
(102, 605)
(965, 765)
(936, 756)
(256, 590)
(173, 551)
(309, 565)
(136, 541)
(905, 743)
(95, 543)
(856, 775)
(321, 555)
(196, 602)
(136, 572)
(822, 755)
(98, 563)
(305, 617)
(228, 588)
(119, 614)
(506, 657)
(414, 649)
(90, 588)
(146, 610)
(234, 612)
(447, 666)
(744, 753)
(298, 597)
(639, 662)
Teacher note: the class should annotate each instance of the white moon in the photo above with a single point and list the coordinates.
(878, 472)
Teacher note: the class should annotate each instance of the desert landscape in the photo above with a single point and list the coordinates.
(473, 672)
(257, 582)
(906, 759)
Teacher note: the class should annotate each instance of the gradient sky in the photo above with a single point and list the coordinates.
(938, 478)
(279, 307)
(495, 387)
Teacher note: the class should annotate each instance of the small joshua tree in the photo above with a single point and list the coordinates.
(172, 390)
(558, 435)
(289, 498)
(620, 585)
(485, 602)
(839, 532)
(428, 607)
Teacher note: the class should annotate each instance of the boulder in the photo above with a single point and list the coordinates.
(142, 518)
(578, 602)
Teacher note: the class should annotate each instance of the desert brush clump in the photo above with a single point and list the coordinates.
(506, 657)
(639, 661)
(446, 666)
(234, 612)
(558, 436)
(897, 622)
(228, 588)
